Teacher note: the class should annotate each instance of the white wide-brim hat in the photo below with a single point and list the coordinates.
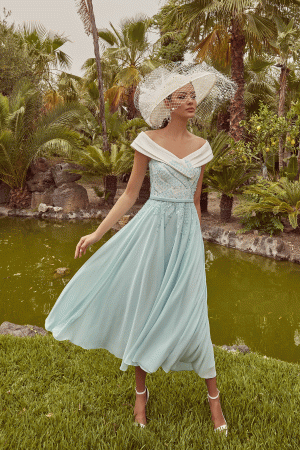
(208, 83)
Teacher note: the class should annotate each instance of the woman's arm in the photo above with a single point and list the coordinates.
(197, 194)
(129, 196)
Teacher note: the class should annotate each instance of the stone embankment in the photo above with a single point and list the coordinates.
(271, 247)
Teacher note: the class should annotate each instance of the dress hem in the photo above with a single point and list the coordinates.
(136, 364)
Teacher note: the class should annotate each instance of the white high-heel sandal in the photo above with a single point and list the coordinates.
(221, 427)
(147, 398)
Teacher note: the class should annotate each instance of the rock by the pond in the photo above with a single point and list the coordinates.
(62, 175)
(61, 271)
(56, 186)
(234, 348)
(71, 197)
(39, 164)
(42, 197)
(40, 181)
(43, 208)
(21, 330)
(259, 245)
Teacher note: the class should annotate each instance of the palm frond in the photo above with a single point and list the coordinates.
(107, 36)
(84, 14)
(4, 112)
(259, 27)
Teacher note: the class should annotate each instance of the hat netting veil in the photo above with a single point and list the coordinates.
(212, 89)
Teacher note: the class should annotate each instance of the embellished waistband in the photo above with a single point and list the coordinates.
(165, 199)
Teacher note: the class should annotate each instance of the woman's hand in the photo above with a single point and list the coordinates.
(84, 242)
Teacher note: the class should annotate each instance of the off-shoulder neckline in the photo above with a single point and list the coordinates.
(180, 159)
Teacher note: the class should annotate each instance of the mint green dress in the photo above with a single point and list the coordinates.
(142, 295)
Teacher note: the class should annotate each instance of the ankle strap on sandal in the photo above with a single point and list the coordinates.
(213, 398)
(141, 392)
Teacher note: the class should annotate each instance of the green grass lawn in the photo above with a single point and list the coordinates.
(55, 395)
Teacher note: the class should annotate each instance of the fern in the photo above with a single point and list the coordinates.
(263, 221)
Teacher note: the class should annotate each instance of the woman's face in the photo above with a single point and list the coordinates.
(183, 101)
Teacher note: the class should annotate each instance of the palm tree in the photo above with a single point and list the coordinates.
(229, 180)
(45, 49)
(109, 66)
(172, 44)
(287, 47)
(69, 86)
(130, 48)
(224, 29)
(26, 134)
(260, 83)
(14, 63)
(87, 15)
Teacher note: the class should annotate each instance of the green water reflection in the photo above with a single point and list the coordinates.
(254, 300)
(251, 299)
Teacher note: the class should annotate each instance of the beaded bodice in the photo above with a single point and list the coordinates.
(167, 182)
(172, 177)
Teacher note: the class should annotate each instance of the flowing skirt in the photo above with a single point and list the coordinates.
(142, 295)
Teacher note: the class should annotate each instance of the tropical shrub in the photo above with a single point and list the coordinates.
(106, 164)
(220, 143)
(25, 133)
(280, 199)
(228, 172)
(263, 221)
(229, 179)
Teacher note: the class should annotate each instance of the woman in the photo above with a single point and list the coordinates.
(142, 295)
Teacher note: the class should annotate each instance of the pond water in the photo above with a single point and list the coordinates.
(251, 299)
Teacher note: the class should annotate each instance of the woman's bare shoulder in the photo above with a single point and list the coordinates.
(152, 133)
(197, 139)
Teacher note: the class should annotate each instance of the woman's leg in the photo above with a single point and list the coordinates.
(140, 399)
(215, 404)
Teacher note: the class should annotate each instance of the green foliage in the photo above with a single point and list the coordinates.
(265, 130)
(25, 133)
(99, 162)
(230, 169)
(101, 193)
(229, 178)
(173, 47)
(280, 198)
(263, 221)
(131, 128)
(291, 170)
(15, 64)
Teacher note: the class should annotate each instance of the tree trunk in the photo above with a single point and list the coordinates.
(237, 107)
(20, 198)
(99, 71)
(226, 208)
(223, 121)
(281, 110)
(132, 111)
(110, 186)
(203, 199)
